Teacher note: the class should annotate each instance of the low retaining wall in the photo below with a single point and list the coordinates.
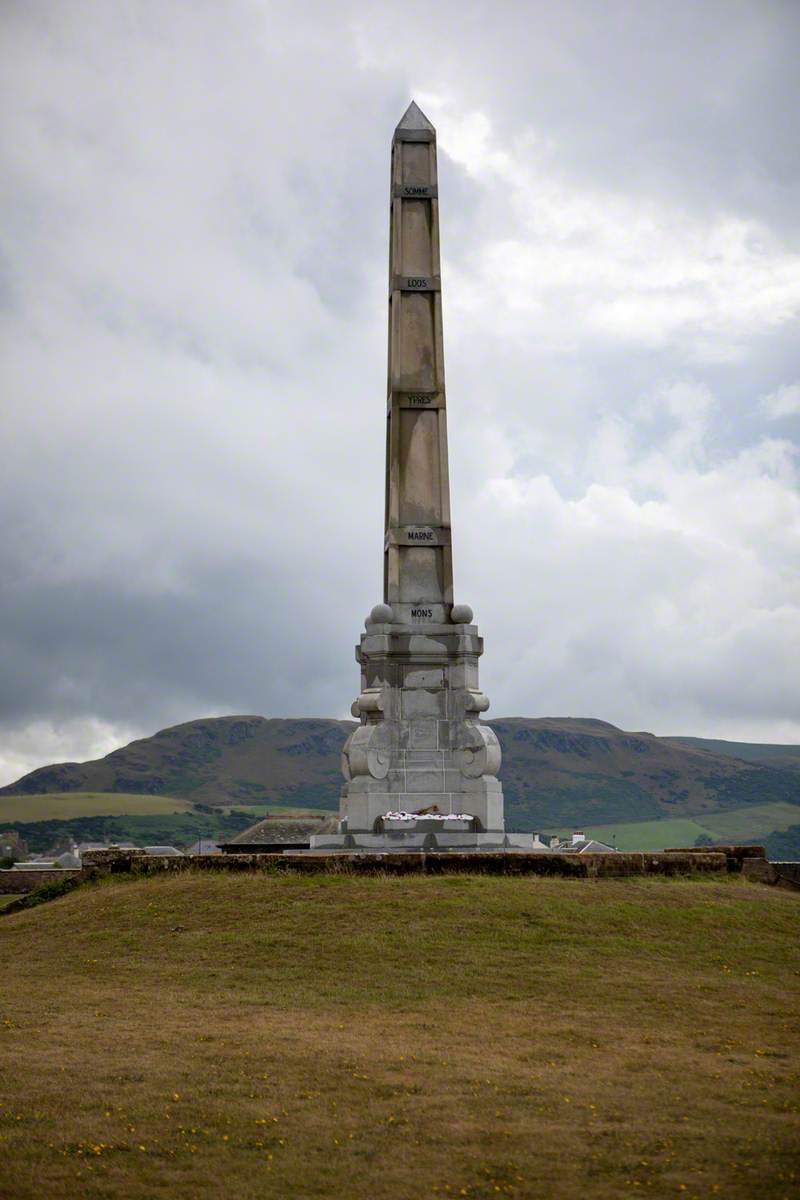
(20, 882)
(776, 874)
(571, 866)
(735, 854)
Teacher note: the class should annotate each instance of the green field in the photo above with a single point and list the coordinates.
(738, 824)
(62, 806)
(643, 835)
(391, 1038)
(258, 811)
(753, 822)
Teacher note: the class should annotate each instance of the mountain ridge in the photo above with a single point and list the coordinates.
(556, 770)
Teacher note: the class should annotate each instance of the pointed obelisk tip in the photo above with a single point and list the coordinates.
(414, 118)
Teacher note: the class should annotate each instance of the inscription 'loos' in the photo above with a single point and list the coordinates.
(417, 283)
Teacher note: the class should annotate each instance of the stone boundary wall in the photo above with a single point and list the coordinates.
(20, 882)
(569, 866)
(776, 874)
(734, 853)
(33, 887)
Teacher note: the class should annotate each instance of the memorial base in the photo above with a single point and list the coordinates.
(423, 842)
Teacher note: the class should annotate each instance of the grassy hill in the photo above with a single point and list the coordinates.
(757, 752)
(462, 1036)
(570, 771)
(556, 771)
(216, 760)
(750, 824)
(61, 806)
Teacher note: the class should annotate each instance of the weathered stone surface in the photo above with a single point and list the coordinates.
(735, 854)
(23, 882)
(374, 859)
(419, 655)
(776, 874)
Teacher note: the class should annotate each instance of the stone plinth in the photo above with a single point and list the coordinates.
(427, 843)
(421, 746)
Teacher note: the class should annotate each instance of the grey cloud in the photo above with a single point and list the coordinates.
(193, 332)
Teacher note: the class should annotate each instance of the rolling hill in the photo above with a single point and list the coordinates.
(556, 771)
(757, 752)
(582, 768)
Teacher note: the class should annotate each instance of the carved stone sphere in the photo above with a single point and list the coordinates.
(460, 614)
(381, 614)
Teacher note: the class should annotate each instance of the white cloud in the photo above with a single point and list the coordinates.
(45, 742)
(785, 402)
(564, 261)
(648, 607)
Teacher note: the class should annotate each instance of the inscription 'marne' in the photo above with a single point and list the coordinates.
(420, 535)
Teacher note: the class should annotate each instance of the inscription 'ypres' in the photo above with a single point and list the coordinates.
(420, 535)
(418, 398)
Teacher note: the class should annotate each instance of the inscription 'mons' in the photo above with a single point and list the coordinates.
(421, 614)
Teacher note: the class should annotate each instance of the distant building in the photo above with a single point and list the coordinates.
(580, 844)
(166, 851)
(36, 864)
(538, 844)
(273, 835)
(12, 845)
(68, 859)
(82, 846)
(203, 846)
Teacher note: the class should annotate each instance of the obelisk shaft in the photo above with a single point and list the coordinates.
(420, 747)
(418, 571)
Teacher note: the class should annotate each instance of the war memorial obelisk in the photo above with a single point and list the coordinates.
(420, 769)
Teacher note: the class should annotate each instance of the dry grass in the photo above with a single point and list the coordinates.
(288, 1036)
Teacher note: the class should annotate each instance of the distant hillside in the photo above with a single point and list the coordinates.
(214, 760)
(556, 770)
(569, 771)
(786, 757)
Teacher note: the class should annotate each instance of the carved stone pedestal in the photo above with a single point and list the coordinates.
(421, 747)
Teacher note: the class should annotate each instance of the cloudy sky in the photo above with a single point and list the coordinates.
(193, 322)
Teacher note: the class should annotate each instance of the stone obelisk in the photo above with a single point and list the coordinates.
(420, 749)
